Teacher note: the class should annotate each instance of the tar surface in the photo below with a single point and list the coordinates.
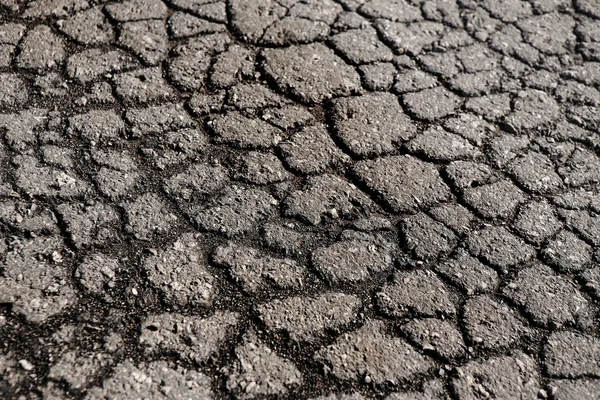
(299, 199)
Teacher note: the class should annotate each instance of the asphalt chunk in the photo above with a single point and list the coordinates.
(309, 319)
(372, 352)
(403, 183)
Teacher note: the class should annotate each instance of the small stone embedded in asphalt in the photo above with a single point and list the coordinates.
(307, 199)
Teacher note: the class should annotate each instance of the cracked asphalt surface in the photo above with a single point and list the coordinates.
(300, 199)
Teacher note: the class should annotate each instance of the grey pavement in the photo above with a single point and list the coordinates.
(300, 199)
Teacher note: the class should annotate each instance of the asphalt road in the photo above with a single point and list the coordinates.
(300, 199)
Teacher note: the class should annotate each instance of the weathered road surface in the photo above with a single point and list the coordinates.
(311, 199)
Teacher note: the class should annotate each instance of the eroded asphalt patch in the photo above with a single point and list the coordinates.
(316, 199)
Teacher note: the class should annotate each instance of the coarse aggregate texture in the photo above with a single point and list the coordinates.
(300, 199)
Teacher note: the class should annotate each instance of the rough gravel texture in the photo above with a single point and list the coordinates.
(299, 199)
